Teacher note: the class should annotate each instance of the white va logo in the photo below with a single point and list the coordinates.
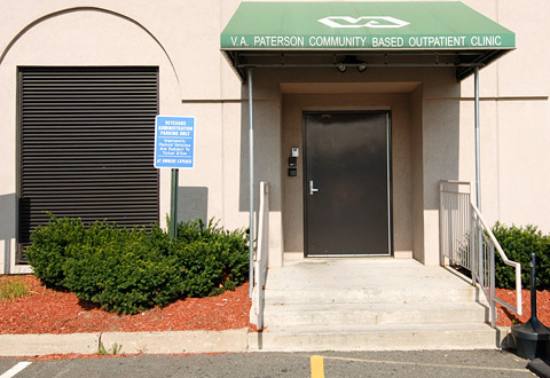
(373, 22)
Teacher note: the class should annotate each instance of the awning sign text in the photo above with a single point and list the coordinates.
(365, 42)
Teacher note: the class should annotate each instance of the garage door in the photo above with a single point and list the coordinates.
(86, 138)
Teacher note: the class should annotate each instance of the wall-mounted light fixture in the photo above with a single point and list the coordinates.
(351, 61)
(341, 67)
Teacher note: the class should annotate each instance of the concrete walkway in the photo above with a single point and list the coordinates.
(370, 304)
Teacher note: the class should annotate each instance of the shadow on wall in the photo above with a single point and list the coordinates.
(267, 142)
(192, 203)
(244, 176)
(441, 139)
(7, 227)
(7, 216)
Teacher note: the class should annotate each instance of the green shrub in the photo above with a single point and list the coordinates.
(51, 245)
(130, 270)
(518, 244)
(123, 270)
(212, 258)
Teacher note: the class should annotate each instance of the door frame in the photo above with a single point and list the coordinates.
(389, 175)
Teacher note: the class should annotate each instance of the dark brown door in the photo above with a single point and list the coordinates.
(347, 196)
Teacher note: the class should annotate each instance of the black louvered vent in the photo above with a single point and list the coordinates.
(87, 139)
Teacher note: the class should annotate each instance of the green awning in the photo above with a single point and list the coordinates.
(364, 27)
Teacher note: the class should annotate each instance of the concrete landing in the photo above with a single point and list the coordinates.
(370, 304)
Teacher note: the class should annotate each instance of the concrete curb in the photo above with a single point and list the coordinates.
(228, 341)
(234, 340)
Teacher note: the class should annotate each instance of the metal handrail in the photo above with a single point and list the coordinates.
(467, 241)
(454, 229)
(517, 266)
(457, 182)
(261, 258)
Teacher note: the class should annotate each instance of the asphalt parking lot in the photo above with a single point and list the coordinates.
(423, 364)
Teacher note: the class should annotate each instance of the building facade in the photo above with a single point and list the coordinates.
(82, 81)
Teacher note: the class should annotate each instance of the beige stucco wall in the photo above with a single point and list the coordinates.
(515, 119)
(182, 38)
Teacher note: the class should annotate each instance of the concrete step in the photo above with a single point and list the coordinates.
(281, 316)
(402, 295)
(365, 338)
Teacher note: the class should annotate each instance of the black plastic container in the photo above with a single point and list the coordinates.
(532, 339)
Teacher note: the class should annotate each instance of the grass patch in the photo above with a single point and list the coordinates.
(12, 289)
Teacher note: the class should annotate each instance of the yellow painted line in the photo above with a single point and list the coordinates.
(423, 364)
(317, 367)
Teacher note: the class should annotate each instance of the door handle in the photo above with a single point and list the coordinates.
(312, 189)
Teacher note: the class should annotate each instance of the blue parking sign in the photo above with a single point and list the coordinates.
(174, 142)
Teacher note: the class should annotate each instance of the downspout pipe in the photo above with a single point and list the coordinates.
(251, 230)
(477, 139)
(478, 171)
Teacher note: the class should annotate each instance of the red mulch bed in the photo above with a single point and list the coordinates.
(77, 356)
(505, 318)
(50, 311)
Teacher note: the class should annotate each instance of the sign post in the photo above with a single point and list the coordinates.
(175, 149)
(173, 226)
